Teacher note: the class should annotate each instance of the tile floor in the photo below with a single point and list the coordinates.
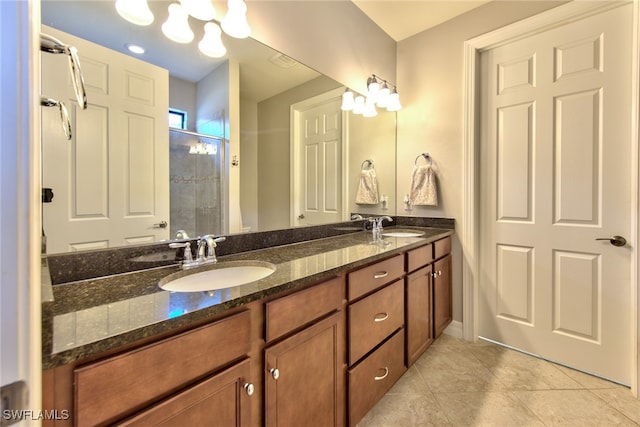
(456, 383)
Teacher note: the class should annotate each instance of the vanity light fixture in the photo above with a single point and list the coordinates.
(235, 22)
(379, 94)
(176, 27)
(199, 9)
(135, 11)
(211, 44)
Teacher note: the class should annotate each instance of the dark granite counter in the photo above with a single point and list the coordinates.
(94, 315)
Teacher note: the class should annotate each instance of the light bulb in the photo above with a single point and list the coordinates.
(347, 101)
(176, 27)
(383, 96)
(211, 44)
(370, 109)
(373, 87)
(394, 101)
(235, 22)
(358, 108)
(135, 11)
(199, 9)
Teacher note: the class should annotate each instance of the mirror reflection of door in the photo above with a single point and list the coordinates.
(318, 161)
(110, 182)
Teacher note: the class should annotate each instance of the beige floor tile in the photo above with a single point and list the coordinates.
(572, 408)
(447, 369)
(411, 383)
(489, 409)
(586, 380)
(518, 371)
(621, 399)
(401, 410)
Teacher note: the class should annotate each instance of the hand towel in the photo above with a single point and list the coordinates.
(367, 193)
(424, 190)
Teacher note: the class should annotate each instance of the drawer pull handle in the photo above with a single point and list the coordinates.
(249, 388)
(275, 373)
(380, 274)
(381, 317)
(383, 376)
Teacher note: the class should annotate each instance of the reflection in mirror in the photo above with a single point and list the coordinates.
(278, 152)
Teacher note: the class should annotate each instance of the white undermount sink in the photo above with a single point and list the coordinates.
(217, 276)
(403, 233)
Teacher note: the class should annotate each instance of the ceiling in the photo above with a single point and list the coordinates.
(404, 18)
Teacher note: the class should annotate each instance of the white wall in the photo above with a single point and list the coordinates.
(182, 96)
(430, 83)
(332, 37)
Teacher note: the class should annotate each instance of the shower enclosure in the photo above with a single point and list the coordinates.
(198, 183)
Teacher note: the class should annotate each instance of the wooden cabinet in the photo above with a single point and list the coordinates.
(221, 400)
(305, 357)
(110, 389)
(305, 378)
(428, 296)
(419, 324)
(442, 308)
(376, 333)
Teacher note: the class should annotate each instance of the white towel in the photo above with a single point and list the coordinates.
(367, 193)
(423, 191)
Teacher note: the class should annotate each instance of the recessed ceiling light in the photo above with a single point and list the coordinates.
(134, 48)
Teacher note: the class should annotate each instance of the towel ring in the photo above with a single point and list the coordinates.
(367, 163)
(427, 158)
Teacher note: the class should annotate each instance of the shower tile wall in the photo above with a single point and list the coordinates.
(195, 186)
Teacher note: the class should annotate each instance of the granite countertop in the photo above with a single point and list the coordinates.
(91, 316)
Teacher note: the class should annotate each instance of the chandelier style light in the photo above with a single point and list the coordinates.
(177, 29)
(379, 95)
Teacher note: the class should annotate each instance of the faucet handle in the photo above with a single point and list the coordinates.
(187, 249)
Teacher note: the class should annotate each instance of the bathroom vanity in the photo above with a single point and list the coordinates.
(318, 342)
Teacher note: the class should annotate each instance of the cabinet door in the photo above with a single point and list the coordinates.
(220, 400)
(305, 377)
(419, 327)
(442, 295)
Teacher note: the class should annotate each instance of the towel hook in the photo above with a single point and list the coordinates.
(367, 163)
(427, 158)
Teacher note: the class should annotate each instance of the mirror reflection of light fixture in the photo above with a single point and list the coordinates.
(347, 101)
(201, 147)
(199, 9)
(135, 11)
(176, 27)
(378, 95)
(235, 21)
(211, 44)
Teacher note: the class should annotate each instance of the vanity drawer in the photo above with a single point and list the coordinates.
(442, 247)
(372, 378)
(374, 318)
(419, 257)
(112, 388)
(370, 278)
(289, 313)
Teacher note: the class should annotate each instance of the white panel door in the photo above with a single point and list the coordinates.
(555, 177)
(321, 164)
(111, 181)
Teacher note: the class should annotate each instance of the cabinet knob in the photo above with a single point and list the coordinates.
(275, 373)
(381, 317)
(383, 376)
(436, 274)
(249, 388)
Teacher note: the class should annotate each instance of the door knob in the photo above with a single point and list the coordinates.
(301, 216)
(161, 224)
(249, 389)
(615, 240)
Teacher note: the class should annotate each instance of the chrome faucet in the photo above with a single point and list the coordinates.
(181, 234)
(376, 229)
(207, 248)
(205, 254)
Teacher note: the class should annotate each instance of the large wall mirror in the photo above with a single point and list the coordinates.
(265, 144)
